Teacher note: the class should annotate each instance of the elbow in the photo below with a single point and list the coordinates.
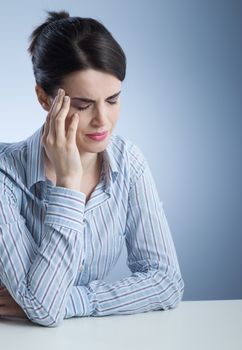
(171, 289)
(178, 295)
(176, 292)
(42, 317)
(46, 320)
(39, 314)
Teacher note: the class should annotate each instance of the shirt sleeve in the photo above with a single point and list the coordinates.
(156, 282)
(40, 278)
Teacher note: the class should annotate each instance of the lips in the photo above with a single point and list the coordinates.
(98, 134)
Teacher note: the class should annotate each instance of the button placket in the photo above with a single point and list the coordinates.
(81, 267)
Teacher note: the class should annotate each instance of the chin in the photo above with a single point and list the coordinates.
(93, 146)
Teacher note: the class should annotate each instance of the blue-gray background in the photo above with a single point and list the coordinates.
(181, 103)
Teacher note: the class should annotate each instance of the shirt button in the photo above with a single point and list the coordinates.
(81, 268)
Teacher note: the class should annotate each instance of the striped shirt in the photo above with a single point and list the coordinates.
(56, 248)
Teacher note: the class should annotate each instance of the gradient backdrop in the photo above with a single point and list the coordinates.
(181, 103)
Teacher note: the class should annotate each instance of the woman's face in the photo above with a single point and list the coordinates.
(95, 116)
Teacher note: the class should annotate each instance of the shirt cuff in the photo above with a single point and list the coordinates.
(78, 303)
(65, 207)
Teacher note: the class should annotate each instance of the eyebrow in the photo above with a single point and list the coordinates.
(85, 99)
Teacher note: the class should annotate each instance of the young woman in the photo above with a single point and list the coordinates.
(73, 192)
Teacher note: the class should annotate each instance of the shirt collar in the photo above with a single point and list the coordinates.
(35, 161)
(110, 166)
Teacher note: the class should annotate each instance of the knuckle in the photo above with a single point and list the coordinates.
(69, 147)
(49, 140)
(72, 127)
(59, 143)
(58, 120)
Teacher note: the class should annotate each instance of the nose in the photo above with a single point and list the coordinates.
(100, 116)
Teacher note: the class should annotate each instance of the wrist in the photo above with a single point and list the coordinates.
(73, 184)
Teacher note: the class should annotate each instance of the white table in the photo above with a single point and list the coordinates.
(193, 325)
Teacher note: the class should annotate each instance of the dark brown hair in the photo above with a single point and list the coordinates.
(64, 44)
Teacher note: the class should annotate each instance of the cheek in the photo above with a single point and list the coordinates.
(115, 114)
(68, 119)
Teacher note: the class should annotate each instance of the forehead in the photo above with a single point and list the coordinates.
(91, 83)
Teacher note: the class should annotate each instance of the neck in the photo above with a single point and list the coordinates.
(89, 162)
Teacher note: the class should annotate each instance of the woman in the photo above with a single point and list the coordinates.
(73, 192)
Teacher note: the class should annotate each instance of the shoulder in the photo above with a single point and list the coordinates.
(12, 156)
(11, 153)
(129, 155)
(7, 190)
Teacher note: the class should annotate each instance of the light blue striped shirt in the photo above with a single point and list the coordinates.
(56, 248)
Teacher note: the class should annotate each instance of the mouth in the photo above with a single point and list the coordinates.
(98, 133)
(98, 136)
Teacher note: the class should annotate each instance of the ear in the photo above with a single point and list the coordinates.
(44, 99)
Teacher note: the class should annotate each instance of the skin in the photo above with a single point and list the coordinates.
(70, 156)
(99, 116)
(8, 306)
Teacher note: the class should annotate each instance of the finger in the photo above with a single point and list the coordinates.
(47, 121)
(60, 120)
(12, 312)
(55, 111)
(71, 132)
(6, 311)
(6, 297)
(6, 301)
(3, 291)
(49, 117)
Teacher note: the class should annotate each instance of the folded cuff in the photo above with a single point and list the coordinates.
(65, 207)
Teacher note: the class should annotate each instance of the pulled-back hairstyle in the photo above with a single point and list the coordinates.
(63, 44)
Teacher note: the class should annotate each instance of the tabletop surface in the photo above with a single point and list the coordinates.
(192, 325)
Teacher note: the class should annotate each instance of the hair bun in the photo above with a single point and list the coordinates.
(54, 16)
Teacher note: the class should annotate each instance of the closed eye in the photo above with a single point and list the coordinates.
(82, 108)
(86, 107)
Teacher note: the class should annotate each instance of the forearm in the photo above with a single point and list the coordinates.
(40, 278)
(140, 292)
